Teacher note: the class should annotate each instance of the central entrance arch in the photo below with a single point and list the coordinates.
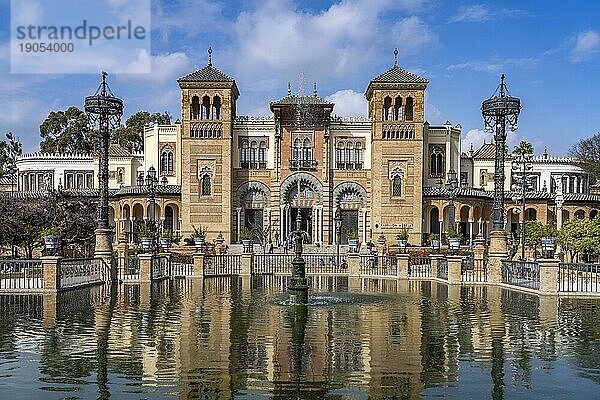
(302, 193)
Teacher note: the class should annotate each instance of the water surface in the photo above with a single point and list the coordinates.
(238, 338)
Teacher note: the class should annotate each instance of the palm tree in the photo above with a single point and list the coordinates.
(523, 148)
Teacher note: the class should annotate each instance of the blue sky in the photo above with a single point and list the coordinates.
(549, 51)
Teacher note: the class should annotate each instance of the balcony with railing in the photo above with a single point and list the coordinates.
(253, 165)
(303, 164)
(349, 165)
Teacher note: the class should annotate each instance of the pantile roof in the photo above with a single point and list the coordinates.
(398, 75)
(206, 74)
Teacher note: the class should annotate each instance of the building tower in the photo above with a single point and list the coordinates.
(208, 106)
(396, 108)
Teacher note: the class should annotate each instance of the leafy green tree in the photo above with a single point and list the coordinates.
(131, 136)
(588, 153)
(10, 149)
(67, 132)
(523, 148)
(580, 237)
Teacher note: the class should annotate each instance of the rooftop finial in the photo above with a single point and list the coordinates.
(289, 88)
(396, 56)
(103, 90)
(210, 56)
(315, 90)
(502, 85)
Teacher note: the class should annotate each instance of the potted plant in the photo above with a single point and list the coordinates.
(352, 237)
(453, 239)
(247, 238)
(165, 239)
(145, 235)
(199, 236)
(402, 239)
(434, 239)
(50, 237)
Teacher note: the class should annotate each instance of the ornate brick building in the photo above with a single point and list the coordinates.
(380, 173)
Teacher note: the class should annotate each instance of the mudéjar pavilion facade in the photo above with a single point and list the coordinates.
(381, 173)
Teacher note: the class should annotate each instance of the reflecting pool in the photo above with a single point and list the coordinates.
(237, 338)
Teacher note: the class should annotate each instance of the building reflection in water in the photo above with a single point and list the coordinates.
(233, 337)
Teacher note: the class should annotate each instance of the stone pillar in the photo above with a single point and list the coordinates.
(103, 248)
(51, 272)
(434, 263)
(145, 267)
(497, 252)
(353, 264)
(198, 269)
(454, 266)
(479, 249)
(246, 267)
(402, 270)
(549, 276)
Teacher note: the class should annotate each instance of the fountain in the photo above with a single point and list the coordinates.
(299, 286)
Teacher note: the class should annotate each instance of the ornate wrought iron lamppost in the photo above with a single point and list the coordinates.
(521, 169)
(151, 182)
(499, 111)
(451, 186)
(104, 111)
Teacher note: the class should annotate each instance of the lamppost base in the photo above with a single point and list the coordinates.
(104, 249)
(498, 242)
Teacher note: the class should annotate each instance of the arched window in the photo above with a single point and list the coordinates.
(436, 162)
(398, 109)
(244, 156)
(408, 109)
(350, 154)
(216, 108)
(387, 108)
(166, 160)
(205, 183)
(397, 175)
(358, 155)
(297, 150)
(253, 154)
(307, 150)
(205, 107)
(341, 155)
(195, 108)
(483, 177)
(262, 155)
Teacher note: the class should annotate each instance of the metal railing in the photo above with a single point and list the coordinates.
(521, 273)
(223, 264)
(575, 277)
(442, 268)
(473, 270)
(419, 267)
(21, 274)
(83, 271)
(315, 263)
(378, 265)
(182, 266)
(128, 268)
(160, 267)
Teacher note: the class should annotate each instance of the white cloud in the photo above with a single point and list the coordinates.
(165, 68)
(496, 65)
(585, 45)
(189, 17)
(338, 41)
(26, 12)
(483, 13)
(348, 103)
(412, 34)
(475, 137)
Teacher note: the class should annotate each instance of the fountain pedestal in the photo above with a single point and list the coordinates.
(299, 284)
